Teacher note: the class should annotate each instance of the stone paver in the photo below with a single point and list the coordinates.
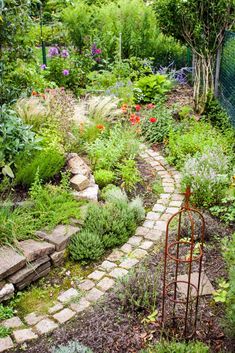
(33, 318)
(24, 335)
(13, 322)
(108, 265)
(154, 235)
(6, 343)
(142, 231)
(86, 285)
(135, 241)
(148, 224)
(128, 263)
(96, 275)
(127, 248)
(81, 306)
(55, 308)
(160, 225)
(175, 204)
(118, 272)
(94, 295)
(153, 216)
(139, 253)
(147, 244)
(158, 208)
(45, 326)
(68, 295)
(105, 284)
(64, 315)
(172, 210)
(116, 255)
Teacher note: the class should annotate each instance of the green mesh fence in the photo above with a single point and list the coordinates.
(227, 76)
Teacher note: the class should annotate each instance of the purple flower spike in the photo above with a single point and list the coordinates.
(65, 72)
(53, 51)
(43, 67)
(64, 53)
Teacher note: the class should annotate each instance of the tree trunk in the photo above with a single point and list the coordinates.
(203, 80)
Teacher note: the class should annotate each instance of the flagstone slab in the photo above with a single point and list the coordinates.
(24, 335)
(64, 315)
(45, 326)
(206, 287)
(33, 249)
(13, 322)
(10, 261)
(60, 236)
(6, 343)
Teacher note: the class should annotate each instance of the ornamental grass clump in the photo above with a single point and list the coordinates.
(86, 246)
(208, 176)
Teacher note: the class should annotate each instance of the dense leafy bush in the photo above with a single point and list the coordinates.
(207, 174)
(86, 246)
(190, 137)
(15, 137)
(178, 347)
(72, 347)
(108, 150)
(225, 210)
(113, 223)
(103, 24)
(129, 174)
(157, 124)
(104, 177)
(216, 115)
(47, 162)
(150, 88)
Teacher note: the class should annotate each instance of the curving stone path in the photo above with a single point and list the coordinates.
(116, 265)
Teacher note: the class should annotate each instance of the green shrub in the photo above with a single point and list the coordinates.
(116, 220)
(6, 312)
(207, 174)
(15, 137)
(106, 151)
(4, 331)
(156, 125)
(72, 347)
(216, 115)
(150, 88)
(86, 246)
(191, 137)
(225, 210)
(104, 177)
(48, 163)
(129, 174)
(178, 347)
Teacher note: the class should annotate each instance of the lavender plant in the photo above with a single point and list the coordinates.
(208, 176)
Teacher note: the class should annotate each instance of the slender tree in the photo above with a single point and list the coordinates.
(201, 24)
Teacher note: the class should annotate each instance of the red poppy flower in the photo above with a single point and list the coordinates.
(100, 127)
(34, 93)
(138, 107)
(153, 120)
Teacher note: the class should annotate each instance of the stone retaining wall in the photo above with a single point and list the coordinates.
(117, 264)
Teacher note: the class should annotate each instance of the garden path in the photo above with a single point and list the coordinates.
(116, 265)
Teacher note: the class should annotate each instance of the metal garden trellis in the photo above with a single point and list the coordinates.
(171, 287)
